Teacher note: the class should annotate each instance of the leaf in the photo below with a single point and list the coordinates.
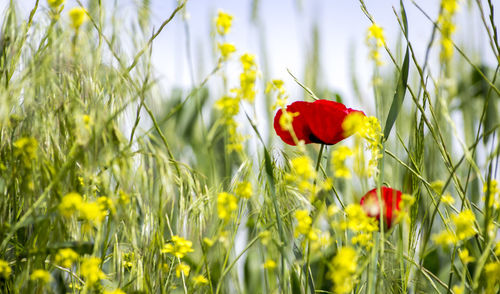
(399, 96)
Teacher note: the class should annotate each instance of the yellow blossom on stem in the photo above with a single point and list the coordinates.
(269, 264)
(91, 270)
(55, 3)
(179, 247)
(343, 270)
(448, 199)
(304, 222)
(66, 257)
(41, 276)
(223, 22)
(5, 269)
(182, 268)
(26, 148)
(338, 162)
(77, 16)
(70, 204)
(116, 291)
(226, 49)
(464, 223)
(302, 173)
(244, 190)
(200, 280)
(227, 204)
(465, 257)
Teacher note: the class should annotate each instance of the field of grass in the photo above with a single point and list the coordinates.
(111, 184)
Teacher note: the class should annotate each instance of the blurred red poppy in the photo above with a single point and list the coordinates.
(390, 197)
(315, 122)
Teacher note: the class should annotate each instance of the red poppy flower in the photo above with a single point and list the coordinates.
(317, 122)
(390, 197)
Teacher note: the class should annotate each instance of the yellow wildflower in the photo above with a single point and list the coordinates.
(343, 270)
(209, 242)
(226, 49)
(362, 225)
(25, 148)
(127, 260)
(304, 222)
(286, 120)
(106, 205)
(464, 223)
(465, 257)
(448, 199)
(269, 264)
(182, 268)
(200, 280)
(278, 86)
(338, 162)
(66, 257)
(70, 204)
(265, 237)
(5, 269)
(55, 3)
(91, 271)
(437, 186)
(445, 238)
(248, 61)
(223, 22)
(227, 204)
(376, 33)
(116, 291)
(244, 190)
(302, 173)
(179, 247)
(91, 212)
(458, 289)
(77, 16)
(494, 192)
(41, 276)
(492, 272)
(228, 105)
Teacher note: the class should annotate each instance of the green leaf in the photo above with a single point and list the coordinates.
(399, 96)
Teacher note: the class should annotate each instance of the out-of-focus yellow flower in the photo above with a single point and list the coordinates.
(200, 280)
(265, 237)
(227, 204)
(229, 106)
(179, 247)
(492, 272)
(91, 212)
(286, 120)
(465, 257)
(116, 291)
(361, 224)
(279, 87)
(244, 190)
(437, 186)
(91, 271)
(106, 205)
(70, 204)
(343, 270)
(458, 289)
(445, 238)
(223, 22)
(464, 223)
(5, 269)
(226, 49)
(302, 173)
(376, 33)
(269, 264)
(55, 3)
(77, 16)
(66, 257)
(494, 194)
(182, 268)
(128, 260)
(25, 148)
(445, 20)
(448, 199)
(304, 222)
(41, 276)
(209, 242)
(339, 166)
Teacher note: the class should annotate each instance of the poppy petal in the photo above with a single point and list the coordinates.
(390, 197)
(325, 120)
(300, 123)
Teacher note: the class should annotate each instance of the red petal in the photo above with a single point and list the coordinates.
(300, 123)
(391, 198)
(326, 119)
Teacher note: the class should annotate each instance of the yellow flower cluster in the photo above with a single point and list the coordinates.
(5, 269)
(55, 3)
(343, 270)
(304, 225)
(492, 272)
(278, 86)
(404, 208)
(128, 259)
(339, 157)
(226, 49)
(182, 268)
(269, 264)
(302, 173)
(227, 204)
(200, 280)
(445, 20)
(369, 129)
(375, 39)
(25, 148)
(359, 223)
(66, 257)
(116, 291)
(178, 247)
(464, 229)
(223, 22)
(92, 212)
(91, 270)
(41, 276)
(244, 190)
(494, 191)
(247, 77)
(77, 15)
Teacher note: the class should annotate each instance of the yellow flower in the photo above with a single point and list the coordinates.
(445, 238)
(91, 271)
(278, 86)
(223, 22)
(286, 120)
(338, 162)
(182, 268)
(244, 190)
(228, 105)
(105, 205)
(209, 242)
(65, 257)
(227, 204)
(450, 6)
(179, 247)
(55, 3)
(492, 272)
(437, 186)
(265, 237)
(91, 212)
(343, 270)
(362, 225)
(494, 192)
(464, 223)
(5, 269)
(448, 199)
(248, 61)
(465, 257)
(77, 16)
(70, 204)
(127, 260)
(458, 289)
(226, 49)
(200, 280)
(269, 264)
(41, 275)
(377, 34)
(304, 222)
(116, 291)
(25, 148)
(302, 173)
